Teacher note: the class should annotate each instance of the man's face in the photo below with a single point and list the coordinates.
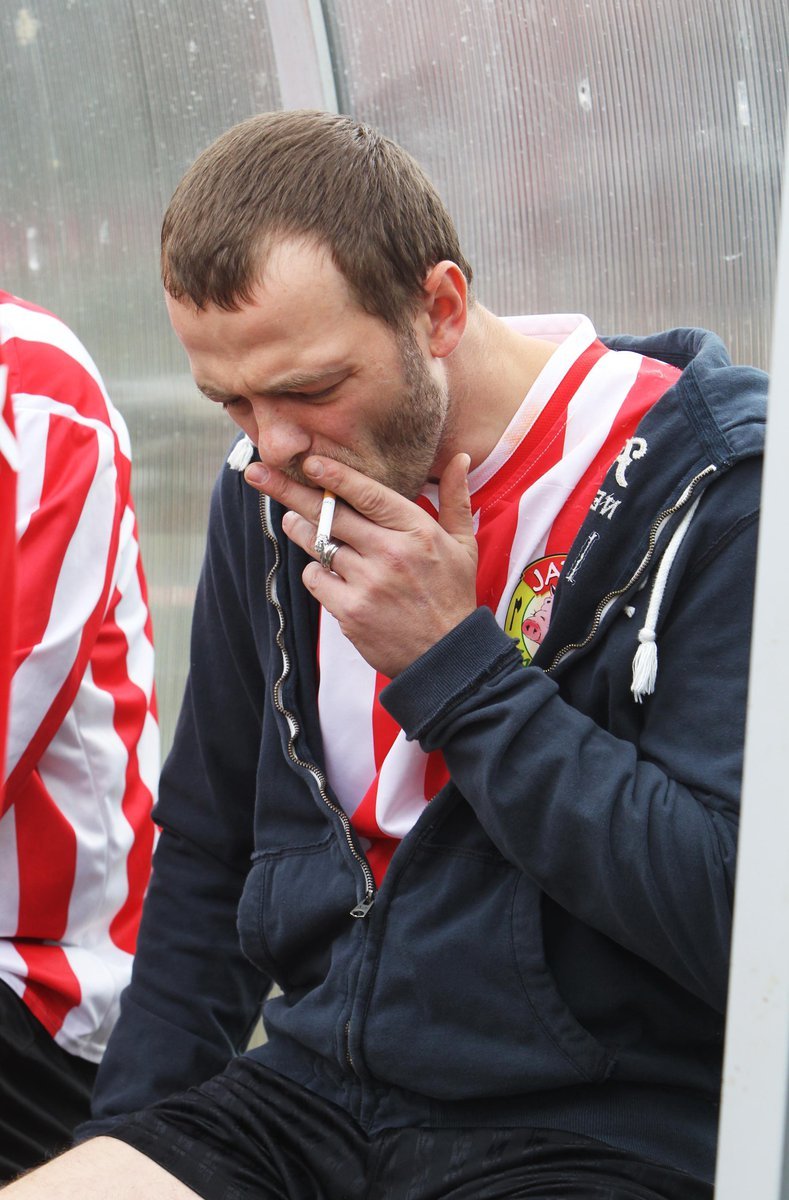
(303, 369)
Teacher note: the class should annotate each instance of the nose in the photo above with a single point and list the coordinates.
(281, 439)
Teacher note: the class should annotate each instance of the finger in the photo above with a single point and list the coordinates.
(326, 586)
(454, 499)
(302, 533)
(373, 500)
(279, 486)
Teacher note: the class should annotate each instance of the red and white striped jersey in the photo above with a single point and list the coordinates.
(82, 759)
(529, 498)
(8, 468)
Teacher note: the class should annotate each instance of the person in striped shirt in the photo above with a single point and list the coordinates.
(431, 776)
(82, 757)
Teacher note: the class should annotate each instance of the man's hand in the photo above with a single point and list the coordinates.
(400, 580)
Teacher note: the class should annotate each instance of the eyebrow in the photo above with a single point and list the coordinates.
(213, 393)
(286, 383)
(302, 379)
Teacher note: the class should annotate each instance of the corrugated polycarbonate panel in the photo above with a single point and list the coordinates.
(622, 159)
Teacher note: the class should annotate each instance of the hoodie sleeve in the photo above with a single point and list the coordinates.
(194, 996)
(626, 815)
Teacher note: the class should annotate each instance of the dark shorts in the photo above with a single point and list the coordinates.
(44, 1092)
(250, 1134)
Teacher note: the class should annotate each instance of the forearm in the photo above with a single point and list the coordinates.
(627, 821)
(193, 996)
(612, 838)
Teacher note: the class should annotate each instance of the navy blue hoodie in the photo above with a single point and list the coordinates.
(549, 946)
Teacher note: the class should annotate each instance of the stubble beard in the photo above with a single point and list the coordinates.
(404, 442)
(410, 437)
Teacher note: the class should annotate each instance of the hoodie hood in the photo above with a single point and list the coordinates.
(711, 419)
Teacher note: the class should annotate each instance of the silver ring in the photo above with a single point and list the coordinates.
(326, 550)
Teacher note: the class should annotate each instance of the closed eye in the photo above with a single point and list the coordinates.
(220, 397)
(323, 394)
(295, 393)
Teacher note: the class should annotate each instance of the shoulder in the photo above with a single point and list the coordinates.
(51, 370)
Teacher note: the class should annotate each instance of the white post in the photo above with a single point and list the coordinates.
(301, 51)
(753, 1143)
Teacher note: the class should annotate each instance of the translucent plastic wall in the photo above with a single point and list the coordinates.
(614, 157)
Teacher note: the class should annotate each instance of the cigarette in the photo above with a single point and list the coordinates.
(325, 519)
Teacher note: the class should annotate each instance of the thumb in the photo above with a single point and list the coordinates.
(454, 499)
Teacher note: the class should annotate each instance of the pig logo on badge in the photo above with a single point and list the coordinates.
(529, 611)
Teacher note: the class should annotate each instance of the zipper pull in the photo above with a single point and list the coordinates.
(364, 906)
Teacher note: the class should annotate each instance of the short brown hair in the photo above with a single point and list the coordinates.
(306, 174)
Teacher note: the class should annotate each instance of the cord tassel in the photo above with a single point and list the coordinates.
(645, 666)
(241, 455)
(645, 661)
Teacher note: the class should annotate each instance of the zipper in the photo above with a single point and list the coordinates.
(361, 909)
(654, 532)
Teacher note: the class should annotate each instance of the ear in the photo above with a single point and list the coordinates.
(445, 309)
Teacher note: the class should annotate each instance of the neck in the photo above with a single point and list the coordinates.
(489, 374)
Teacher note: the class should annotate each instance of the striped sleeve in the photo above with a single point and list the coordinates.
(71, 497)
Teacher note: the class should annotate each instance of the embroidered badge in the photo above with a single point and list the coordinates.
(531, 603)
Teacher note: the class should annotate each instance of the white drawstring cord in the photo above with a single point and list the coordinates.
(241, 455)
(645, 662)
